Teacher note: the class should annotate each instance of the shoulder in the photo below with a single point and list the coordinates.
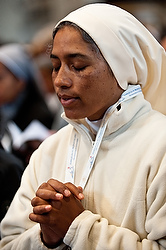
(151, 130)
(156, 121)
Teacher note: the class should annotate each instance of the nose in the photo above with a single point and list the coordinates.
(62, 79)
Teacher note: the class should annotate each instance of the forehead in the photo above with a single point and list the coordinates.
(69, 38)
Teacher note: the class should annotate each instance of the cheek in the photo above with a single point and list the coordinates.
(91, 80)
(4, 88)
(90, 91)
(91, 87)
(94, 82)
(10, 90)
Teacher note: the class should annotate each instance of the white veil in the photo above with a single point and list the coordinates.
(133, 54)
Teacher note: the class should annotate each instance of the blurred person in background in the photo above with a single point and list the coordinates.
(20, 96)
(163, 37)
(40, 47)
(11, 169)
(99, 182)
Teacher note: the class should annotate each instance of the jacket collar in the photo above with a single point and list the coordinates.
(123, 114)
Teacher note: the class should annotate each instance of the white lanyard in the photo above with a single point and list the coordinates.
(131, 92)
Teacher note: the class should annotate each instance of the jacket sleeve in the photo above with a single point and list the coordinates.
(91, 231)
(29, 239)
(17, 231)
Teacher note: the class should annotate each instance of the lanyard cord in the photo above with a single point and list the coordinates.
(131, 92)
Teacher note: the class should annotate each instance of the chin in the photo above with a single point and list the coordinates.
(74, 116)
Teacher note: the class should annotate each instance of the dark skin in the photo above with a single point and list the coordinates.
(56, 202)
(78, 73)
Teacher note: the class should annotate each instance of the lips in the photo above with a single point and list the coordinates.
(67, 101)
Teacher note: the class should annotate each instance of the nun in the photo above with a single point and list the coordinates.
(99, 182)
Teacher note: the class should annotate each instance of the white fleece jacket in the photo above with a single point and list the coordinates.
(125, 197)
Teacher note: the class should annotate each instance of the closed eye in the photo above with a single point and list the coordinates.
(79, 68)
(55, 69)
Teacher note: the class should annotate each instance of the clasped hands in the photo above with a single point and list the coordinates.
(55, 207)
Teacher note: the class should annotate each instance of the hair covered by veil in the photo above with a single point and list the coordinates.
(131, 51)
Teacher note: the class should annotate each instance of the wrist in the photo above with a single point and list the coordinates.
(51, 244)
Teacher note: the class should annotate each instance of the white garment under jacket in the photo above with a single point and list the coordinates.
(125, 197)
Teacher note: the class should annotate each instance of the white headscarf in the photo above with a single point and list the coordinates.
(131, 51)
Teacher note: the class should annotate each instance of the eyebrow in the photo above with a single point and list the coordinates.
(72, 55)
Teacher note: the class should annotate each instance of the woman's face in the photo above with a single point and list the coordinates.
(82, 80)
(10, 86)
